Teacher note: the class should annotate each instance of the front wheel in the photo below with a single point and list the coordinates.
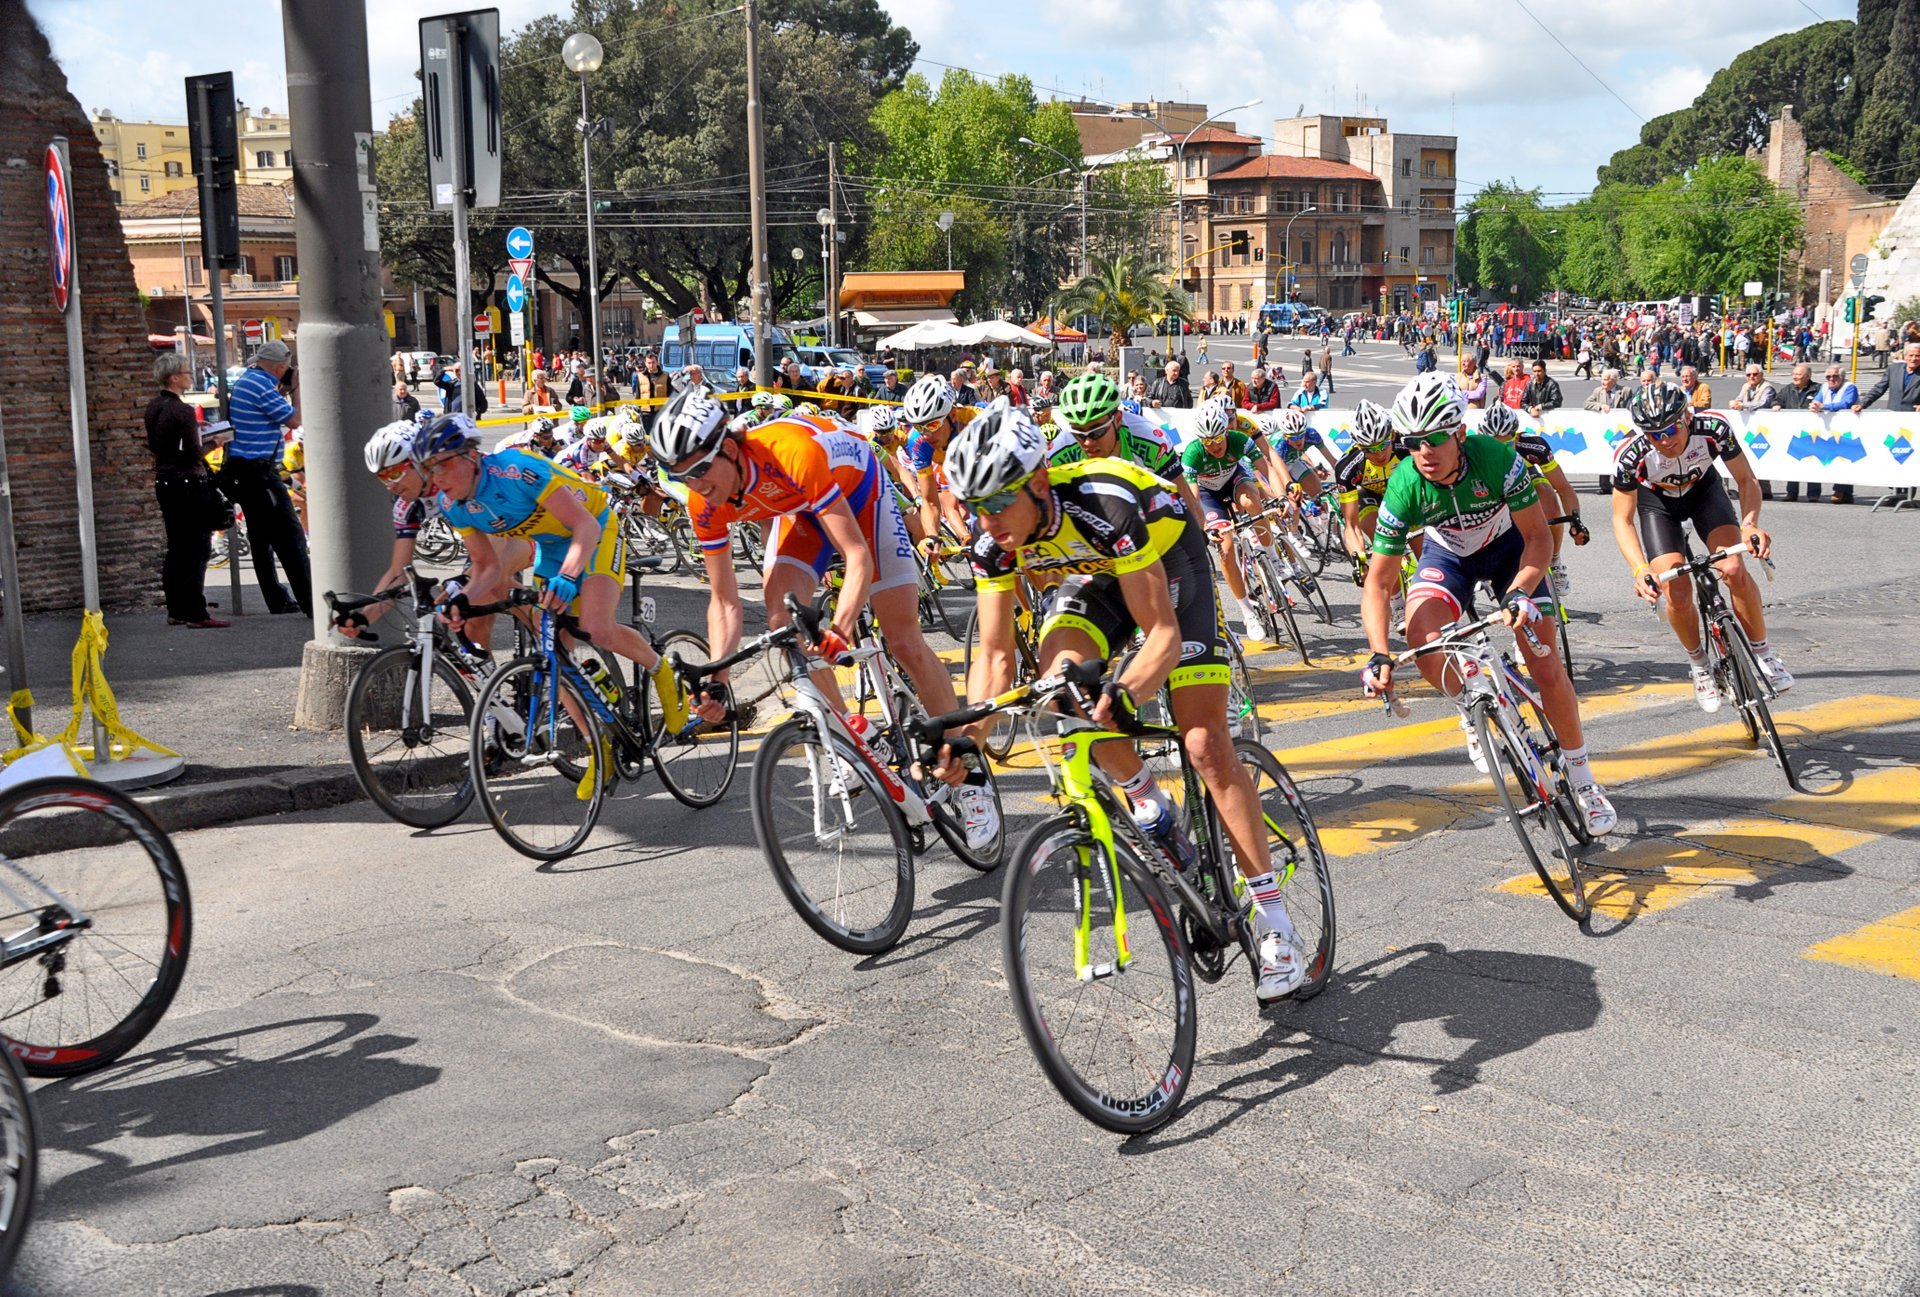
(697, 768)
(1299, 863)
(409, 752)
(539, 760)
(1522, 782)
(1752, 699)
(19, 1160)
(1100, 977)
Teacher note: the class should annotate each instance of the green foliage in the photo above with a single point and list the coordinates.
(1886, 144)
(1121, 293)
(1593, 233)
(1126, 201)
(1505, 228)
(1905, 311)
(1846, 165)
(1721, 224)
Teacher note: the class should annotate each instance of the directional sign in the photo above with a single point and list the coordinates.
(517, 329)
(482, 326)
(1859, 263)
(59, 227)
(520, 242)
(516, 294)
(522, 268)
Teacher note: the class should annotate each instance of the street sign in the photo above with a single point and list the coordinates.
(1752, 288)
(59, 228)
(1859, 263)
(517, 329)
(460, 85)
(522, 268)
(482, 326)
(254, 330)
(700, 316)
(516, 294)
(520, 242)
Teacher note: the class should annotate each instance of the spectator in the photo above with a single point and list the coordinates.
(1472, 382)
(1309, 397)
(1231, 385)
(1513, 390)
(1262, 393)
(1758, 394)
(650, 382)
(449, 384)
(250, 477)
(1900, 386)
(1799, 395)
(892, 389)
(1609, 395)
(1586, 358)
(405, 404)
(1017, 387)
(539, 397)
(1838, 394)
(964, 392)
(791, 379)
(1699, 395)
(742, 379)
(694, 378)
(1326, 365)
(1135, 401)
(1171, 392)
(1209, 386)
(1542, 394)
(190, 509)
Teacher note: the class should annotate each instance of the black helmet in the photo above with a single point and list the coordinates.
(1657, 407)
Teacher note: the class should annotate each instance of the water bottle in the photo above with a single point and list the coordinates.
(876, 742)
(1157, 822)
(602, 680)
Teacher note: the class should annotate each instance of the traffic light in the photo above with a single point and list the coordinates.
(1869, 302)
(1239, 241)
(1849, 315)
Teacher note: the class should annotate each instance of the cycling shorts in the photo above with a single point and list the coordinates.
(609, 556)
(1450, 577)
(1705, 504)
(1092, 603)
(1216, 502)
(797, 539)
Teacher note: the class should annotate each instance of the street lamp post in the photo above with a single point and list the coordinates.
(1180, 167)
(583, 55)
(1083, 172)
(1287, 240)
(825, 217)
(945, 223)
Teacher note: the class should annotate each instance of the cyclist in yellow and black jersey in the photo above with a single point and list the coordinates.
(1361, 476)
(1124, 554)
(1502, 424)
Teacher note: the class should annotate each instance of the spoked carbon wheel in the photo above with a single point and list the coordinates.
(1752, 701)
(646, 534)
(19, 1160)
(411, 754)
(83, 860)
(697, 768)
(1299, 863)
(1273, 599)
(1526, 795)
(838, 848)
(1117, 1042)
(530, 743)
(1005, 731)
(1573, 818)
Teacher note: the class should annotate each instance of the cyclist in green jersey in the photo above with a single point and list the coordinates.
(1096, 427)
(1475, 500)
(1215, 461)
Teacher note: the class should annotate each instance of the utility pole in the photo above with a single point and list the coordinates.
(343, 337)
(759, 285)
(833, 245)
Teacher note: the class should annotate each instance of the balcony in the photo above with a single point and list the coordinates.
(1350, 269)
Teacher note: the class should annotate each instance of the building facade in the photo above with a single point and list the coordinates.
(145, 160)
(1840, 216)
(1276, 228)
(266, 146)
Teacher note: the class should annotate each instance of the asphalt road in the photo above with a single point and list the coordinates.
(417, 1064)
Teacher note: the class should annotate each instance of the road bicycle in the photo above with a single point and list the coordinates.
(1026, 657)
(1736, 668)
(1266, 583)
(19, 1160)
(667, 536)
(555, 729)
(840, 816)
(95, 927)
(944, 569)
(1524, 758)
(1109, 1013)
(1320, 530)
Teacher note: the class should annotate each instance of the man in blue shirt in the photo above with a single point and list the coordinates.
(1309, 397)
(1837, 395)
(250, 477)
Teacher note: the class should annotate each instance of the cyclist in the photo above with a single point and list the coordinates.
(579, 556)
(932, 410)
(1475, 500)
(821, 488)
(1215, 461)
(1361, 478)
(1293, 439)
(589, 448)
(1124, 554)
(540, 437)
(1094, 426)
(880, 425)
(1663, 478)
(1502, 424)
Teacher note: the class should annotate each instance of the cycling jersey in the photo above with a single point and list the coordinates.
(1357, 476)
(409, 516)
(579, 456)
(510, 493)
(1108, 517)
(1140, 440)
(924, 453)
(524, 440)
(1293, 450)
(1215, 471)
(1640, 464)
(1464, 517)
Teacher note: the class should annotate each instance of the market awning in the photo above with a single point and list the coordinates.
(899, 317)
(168, 340)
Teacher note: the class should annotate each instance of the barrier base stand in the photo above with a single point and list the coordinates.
(145, 770)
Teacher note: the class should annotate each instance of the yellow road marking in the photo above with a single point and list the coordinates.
(1679, 753)
(1890, 945)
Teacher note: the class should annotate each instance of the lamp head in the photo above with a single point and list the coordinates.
(582, 53)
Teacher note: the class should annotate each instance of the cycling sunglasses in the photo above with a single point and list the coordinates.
(397, 472)
(1437, 438)
(1000, 501)
(698, 472)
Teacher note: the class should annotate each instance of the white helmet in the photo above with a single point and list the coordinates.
(1371, 425)
(1500, 421)
(1216, 417)
(1430, 403)
(692, 423)
(390, 446)
(877, 420)
(997, 451)
(930, 398)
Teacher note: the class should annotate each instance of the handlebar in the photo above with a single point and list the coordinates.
(1707, 560)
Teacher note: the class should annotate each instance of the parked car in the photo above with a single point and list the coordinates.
(815, 358)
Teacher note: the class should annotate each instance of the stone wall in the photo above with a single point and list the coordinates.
(35, 105)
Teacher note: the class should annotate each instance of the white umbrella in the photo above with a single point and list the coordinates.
(1001, 333)
(927, 333)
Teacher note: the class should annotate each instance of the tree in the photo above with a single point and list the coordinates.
(1885, 144)
(1125, 203)
(1715, 228)
(1506, 227)
(1122, 293)
(416, 241)
(883, 52)
(1593, 230)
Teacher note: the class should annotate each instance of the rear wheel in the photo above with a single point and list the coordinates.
(1523, 784)
(1275, 603)
(697, 768)
(531, 762)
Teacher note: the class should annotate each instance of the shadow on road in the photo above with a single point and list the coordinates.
(1498, 1002)
(220, 1095)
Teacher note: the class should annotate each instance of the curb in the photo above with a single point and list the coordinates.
(204, 806)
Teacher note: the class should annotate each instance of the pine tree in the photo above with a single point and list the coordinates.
(1886, 144)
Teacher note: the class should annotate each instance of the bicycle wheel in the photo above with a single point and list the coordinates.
(651, 536)
(837, 845)
(1752, 700)
(19, 1160)
(1572, 817)
(1118, 1042)
(1243, 714)
(1299, 863)
(532, 771)
(697, 768)
(1002, 730)
(436, 544)
(1274, 600)
(99, 873)
(1521, 780)
(947, 818)
(410, 757)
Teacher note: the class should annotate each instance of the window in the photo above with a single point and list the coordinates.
(170, 134)
(263, 158)
(1406, 166)
(1337, 249)
(286, 268)
(173, 170)
(194, 270)
(1340, 198)
(140, 151)
(1426, 255)
(287, 159)
(246, 265)
(1430, 168)
(1306, 250)
(1406, 207)
(1406, 256)
(146, 185)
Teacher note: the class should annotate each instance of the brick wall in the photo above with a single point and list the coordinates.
(35, 105)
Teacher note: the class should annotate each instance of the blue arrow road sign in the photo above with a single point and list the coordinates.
(516, 293)
(520, 242)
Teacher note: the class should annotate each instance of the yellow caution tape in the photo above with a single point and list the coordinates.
(21, 700)
(651, 402)
(90, 687)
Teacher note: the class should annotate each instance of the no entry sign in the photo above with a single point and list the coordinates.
(59, 227)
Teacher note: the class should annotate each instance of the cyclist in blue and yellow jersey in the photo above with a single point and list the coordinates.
(579, 557)
(933, 413)
(1502, 424)
(1294, 441)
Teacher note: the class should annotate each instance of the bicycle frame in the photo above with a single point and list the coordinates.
(810, 700)
(1490, 677)
(18, 947)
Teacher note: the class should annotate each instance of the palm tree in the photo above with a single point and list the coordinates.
(1120, 294)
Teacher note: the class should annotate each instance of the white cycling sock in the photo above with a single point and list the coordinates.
(1264, 891)
(1697, 658)
(1141, 789)
(1759, 648)
(1579, 767)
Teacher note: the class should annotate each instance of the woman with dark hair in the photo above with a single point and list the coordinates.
(186, 493)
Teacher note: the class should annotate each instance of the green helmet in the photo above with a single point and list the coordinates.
(1088, 400)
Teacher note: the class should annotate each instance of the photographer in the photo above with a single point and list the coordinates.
(190, 508)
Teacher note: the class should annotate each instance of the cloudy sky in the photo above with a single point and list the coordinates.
(1521, 104)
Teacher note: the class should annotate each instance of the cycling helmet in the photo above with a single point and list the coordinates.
(930, 398)
(1089, 399)
(996, 452)
(543, 427)
(581, 413)
(1430, 403)
(1216, 418)
(1293, 421)
(390, 447)
(692, 423)
(1041, 401)
(1657, 407)
(769, 404)
(445, 433)
(1500, 421)
(1371, 426)
(880, 422)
